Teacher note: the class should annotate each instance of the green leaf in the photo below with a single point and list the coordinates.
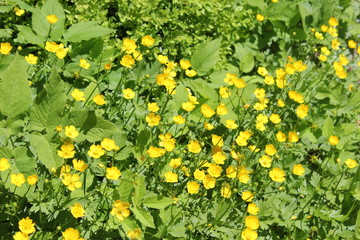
(5, 152)
(140, 190)
(144, 217)
(180, 95)
(49, 104)
(203, 88)
(158, 202)
(15, 94)
(26, 35)
(85, 31)
(24, 163)
(247, 62)
(102, 129)
(46, 153)
(328, 127)
(5, 33)
(206, 56)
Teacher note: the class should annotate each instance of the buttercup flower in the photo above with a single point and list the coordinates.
(260, 17)
(252, 222)
(171, 177)
(113, 173)
(277, 175)
(79, 165)
(4, 164)
(298, 170)
(31, 59)
(207, 111)
(252, 209)
(99, 99)
(84, 64)
(18, 180)
(333, 140)
(155, 152)
(71, 132)
(52, 18)
(127, 61)
(32, 179)
(71, 234)
(147, 41)
(20, 236)
(194, 146)
(5, 48)
(19, 12)
(185, 64)
(351, 163)
(77, 210)
(179, 119)
(26, 225)
(120, 210)
(108, 144)
(134, 234)
(247, 196)
(78, 95)
(193, 187)
(152, 119)
(129, 45)
(128, 93)
(96, 151)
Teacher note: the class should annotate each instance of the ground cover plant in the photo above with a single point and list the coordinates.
(179, 120)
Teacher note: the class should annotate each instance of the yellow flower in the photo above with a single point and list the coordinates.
(224, 92)
(32, 179)
(155, 152)
(4, 164)
(61, 51)
(277, 175)
(67, 151)
(99, 100)
(171, 177)
(185, 64)
(214, 170)
(333, 22)
(71, 132)
(280, 83)
(265, 161)
(260, 17)
(120, 210)
(147, 41)
(302, 111)
(5, 48)
(31, 59)
(351, 163)
(52, 18)
(19, 12)
(77, 210)
(221, 109)
(153, 107)
(107, 66)
(127, 61)
(293, 137)
(209, 182)
(78, 95)
(219, 157)
(96, 151)
(335, 44)
(108, 144)
(207, 111)
(190, 73)
(217, 140)
(280, 137)
(247, 196)
(297, 97)
(252, 209)
(319, 36)
(225, 191)
(71, 234)
(343, 60)
(84, 64)
(153, 120)
(17, 179)
(51, 47)
(230, 172)
(113, 173)
(133, 234)
(167, 141)
(194, 146)
(351, 44)
(72, 181)
(128, 93)
(280, 103)
(230, 124)
(298, 170)
(193, 187)
(262, 71)
(179, 119)
(26, 225)
(333, 140)
(162, 59)
(188, 106)
(322, 58)
(269, 80)
(252, 222)
(259, 93)
(20, 236)
(208, 126)
(79, 165)
(199, 174)
(249, 234)
(270, 150)
(129, 45)
(324, 28)
(175, 162)
(275, 118)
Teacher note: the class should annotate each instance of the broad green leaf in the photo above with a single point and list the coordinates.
(25, 164)
(85, 31)
(328, 127)
(129, 224)
(143, 139)
(5, 152)
(27, 35)
(180, 96)
(140, 190)
(247, 62)
(49, 104)
(203, 88)
(144, 217)
(206, 56)
(102, 129)
(46, 153)
(15, 95)
(158, 202)
(42, 27)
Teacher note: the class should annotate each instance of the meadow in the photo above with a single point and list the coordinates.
(182, 119)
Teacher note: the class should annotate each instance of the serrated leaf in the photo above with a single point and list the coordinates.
(25, 164)
(15, 94)
(140, 190)
(158, 202)
(203, 88)
(102, 129)
(144, 217)
(27, 35)
(206, 56)
(49, 104)
(45, 152)
(85, 31)
(328, 127)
